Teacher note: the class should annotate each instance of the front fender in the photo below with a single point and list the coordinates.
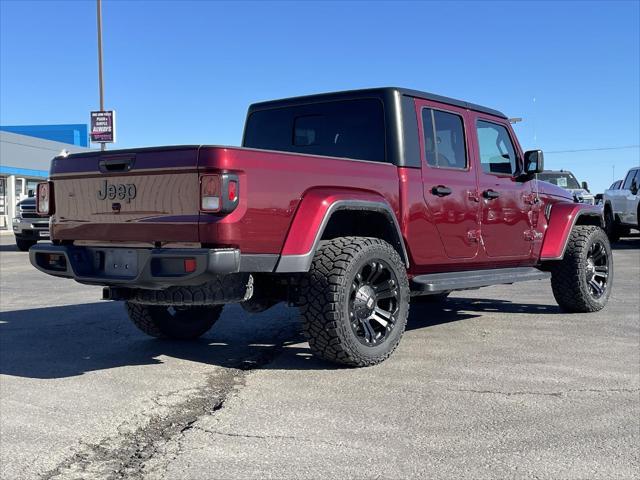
(561, 221)
(312, 216)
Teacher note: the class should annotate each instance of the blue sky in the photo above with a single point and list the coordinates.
(185, 72)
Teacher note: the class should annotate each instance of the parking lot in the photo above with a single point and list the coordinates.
(493, 383)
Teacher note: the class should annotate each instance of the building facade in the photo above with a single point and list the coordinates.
(24, 161)
(74, 134)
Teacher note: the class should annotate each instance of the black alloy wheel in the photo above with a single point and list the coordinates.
(373, 303)
(597, 269)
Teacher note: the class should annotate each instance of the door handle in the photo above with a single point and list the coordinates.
(441, 191)
(490, 194)
(116, 164)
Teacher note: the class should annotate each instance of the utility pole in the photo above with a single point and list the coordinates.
(103, 146)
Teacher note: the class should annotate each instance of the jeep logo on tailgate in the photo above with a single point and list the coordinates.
(121, 191)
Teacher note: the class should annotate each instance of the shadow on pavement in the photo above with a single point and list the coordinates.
(627, 243)
(10, 247)
(65, 341)
(71, 340)
(480, 305)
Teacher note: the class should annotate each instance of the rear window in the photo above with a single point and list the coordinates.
(350, 129)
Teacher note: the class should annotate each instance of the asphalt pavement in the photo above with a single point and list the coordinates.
(493, 383)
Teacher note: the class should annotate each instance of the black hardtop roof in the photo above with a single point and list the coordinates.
(380, 92)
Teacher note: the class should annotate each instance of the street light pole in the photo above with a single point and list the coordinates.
(103, 146)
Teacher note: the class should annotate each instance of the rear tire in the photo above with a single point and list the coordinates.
(180, 323)
(582, 280)
(24, 245)
(355, 301)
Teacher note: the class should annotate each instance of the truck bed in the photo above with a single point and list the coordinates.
(165, 208)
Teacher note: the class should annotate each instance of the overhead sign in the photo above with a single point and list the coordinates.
(103, 126)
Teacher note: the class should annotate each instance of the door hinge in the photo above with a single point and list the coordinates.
(473, 195)
(531, 235)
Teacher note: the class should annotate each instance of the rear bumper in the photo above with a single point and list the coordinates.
(135, 267)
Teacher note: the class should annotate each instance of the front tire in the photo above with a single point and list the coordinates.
(24, 245)
(355, 301)
(582, 280)
(179, 323)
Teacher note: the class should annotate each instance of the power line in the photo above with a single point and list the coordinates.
(593, 149)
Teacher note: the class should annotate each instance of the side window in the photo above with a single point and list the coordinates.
(497, 154)
(444, 141)
(628, 179)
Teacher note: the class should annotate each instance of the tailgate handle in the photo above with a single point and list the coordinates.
(122, 164)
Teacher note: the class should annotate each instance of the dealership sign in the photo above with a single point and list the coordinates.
(103, 126)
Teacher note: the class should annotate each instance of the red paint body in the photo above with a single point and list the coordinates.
(283, 199)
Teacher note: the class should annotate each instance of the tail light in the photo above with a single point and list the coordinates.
(44, 202)
(210, 192)
(219, 193)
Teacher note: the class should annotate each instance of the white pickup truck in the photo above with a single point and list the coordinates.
(621, 209)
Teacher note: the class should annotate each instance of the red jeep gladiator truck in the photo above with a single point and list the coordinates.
(344, 204)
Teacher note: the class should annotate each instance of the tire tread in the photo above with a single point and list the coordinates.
(321, 300)
(569, 289)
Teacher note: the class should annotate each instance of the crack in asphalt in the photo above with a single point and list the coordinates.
(125, 454)
(548, 394)
(274, 437)
(246, 435)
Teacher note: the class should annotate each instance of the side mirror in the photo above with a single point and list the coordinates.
(634, 188)
(533, 162)
(585, 186)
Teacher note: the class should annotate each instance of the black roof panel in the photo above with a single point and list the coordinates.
(381, 91)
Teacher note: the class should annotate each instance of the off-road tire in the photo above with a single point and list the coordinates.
(25, 245)
(324, 300)
(569, 276)
(611, 227)
(222, 289)
(183, 323)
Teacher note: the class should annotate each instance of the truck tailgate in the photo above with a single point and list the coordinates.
(142, 195)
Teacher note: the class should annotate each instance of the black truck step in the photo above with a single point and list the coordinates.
(444, 282)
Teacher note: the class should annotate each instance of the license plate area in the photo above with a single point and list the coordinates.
(118, 262)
